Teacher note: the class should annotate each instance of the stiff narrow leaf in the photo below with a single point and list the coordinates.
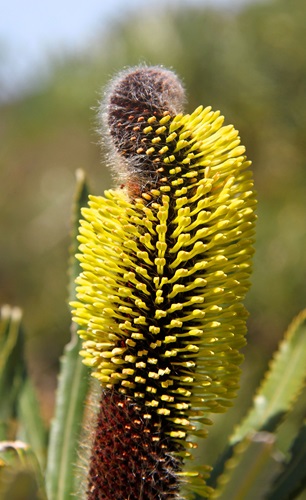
(251, 470)
(19, 410)
(277, 393)
(20, 474)
(12, 365)
(66, 427)
(31, 427)
(80, 200)
(292, 480)
(72, 392)
(282, 383)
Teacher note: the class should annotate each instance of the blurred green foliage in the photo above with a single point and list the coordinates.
(250, 63)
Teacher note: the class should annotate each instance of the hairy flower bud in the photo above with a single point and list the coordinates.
(137, 95)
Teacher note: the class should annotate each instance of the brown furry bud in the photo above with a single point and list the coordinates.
(135, 103)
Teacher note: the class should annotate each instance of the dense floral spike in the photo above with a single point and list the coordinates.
(166, 265)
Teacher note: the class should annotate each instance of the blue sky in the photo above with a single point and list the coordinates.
(32, 30)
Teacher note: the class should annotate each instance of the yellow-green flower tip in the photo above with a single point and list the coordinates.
(160, 298)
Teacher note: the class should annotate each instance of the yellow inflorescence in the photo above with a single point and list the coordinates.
(160, 298)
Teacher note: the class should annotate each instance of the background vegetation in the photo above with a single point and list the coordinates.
(249, 63)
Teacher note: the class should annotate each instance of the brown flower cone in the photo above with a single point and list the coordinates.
(130, 458)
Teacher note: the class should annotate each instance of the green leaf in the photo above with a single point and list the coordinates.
(278, 392)
(31, 426)
(73, 387)
(292, 479)
(12, 366)
(80, 200)
(281, 385)
(67, 427)
(20, 474)
(251, 470)
(18, 399)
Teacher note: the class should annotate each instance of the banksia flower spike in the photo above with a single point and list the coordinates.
(166, 261)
